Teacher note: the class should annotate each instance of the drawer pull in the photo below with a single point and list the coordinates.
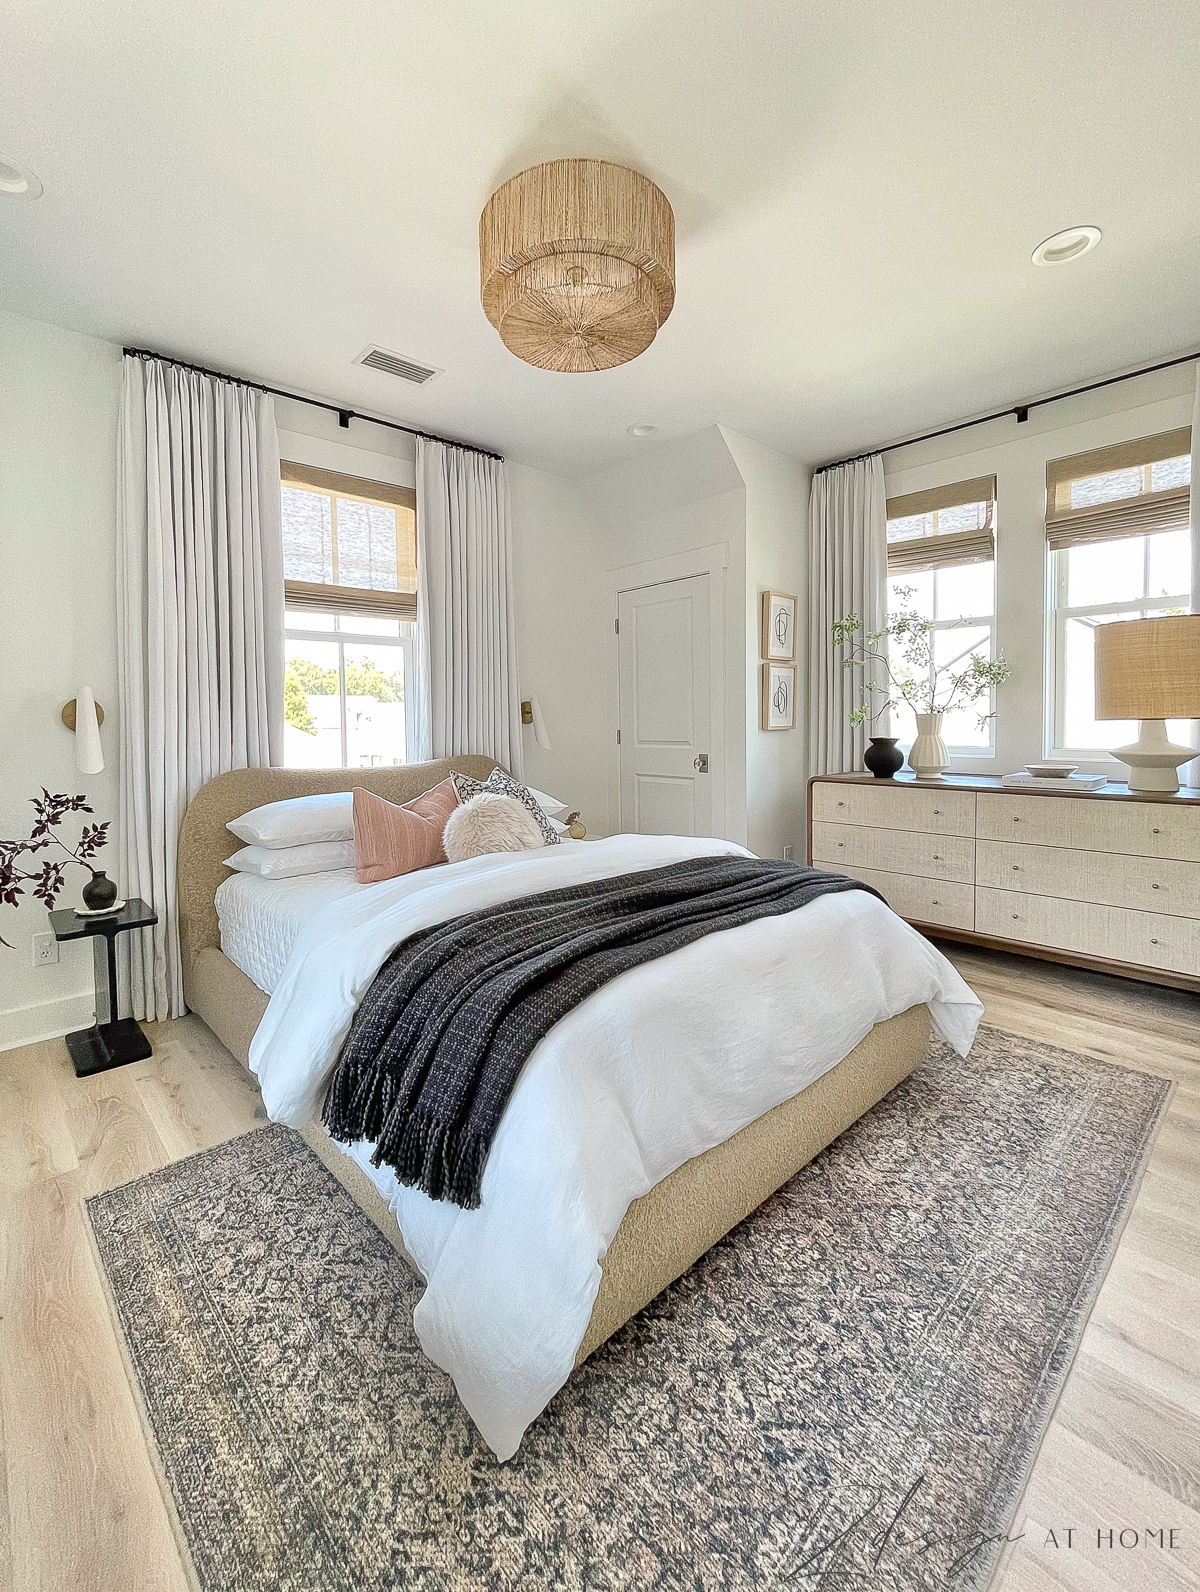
(936, 902)
(1016, 867)
(1154, 887)
(841, 845)
(936, 858)
(937, 813)
(1016, 917)
(841, 804)
(1155, 831)
(1153, 942)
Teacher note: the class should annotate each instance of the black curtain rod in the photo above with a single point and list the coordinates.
(1021, 411)
(345, 416)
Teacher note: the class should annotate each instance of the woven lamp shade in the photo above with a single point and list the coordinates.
(1149, 668)
(577, 264)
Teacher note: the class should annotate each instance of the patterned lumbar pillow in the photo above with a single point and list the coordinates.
(490, 822)
(501, 784)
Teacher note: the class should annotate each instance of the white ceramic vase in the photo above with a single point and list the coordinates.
(927, 757)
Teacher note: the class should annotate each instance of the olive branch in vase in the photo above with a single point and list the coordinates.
(49, 879)
(915, 677)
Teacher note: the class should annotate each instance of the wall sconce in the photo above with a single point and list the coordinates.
(84, 715)
(531, 713)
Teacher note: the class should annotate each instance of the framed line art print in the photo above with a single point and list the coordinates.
(778, 627)
(779, 696)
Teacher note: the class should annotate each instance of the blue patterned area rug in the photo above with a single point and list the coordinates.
(848, 1391)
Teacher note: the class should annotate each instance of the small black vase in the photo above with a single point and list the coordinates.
(99, 892)
(883, 757)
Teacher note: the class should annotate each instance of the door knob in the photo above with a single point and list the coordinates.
(700, 764)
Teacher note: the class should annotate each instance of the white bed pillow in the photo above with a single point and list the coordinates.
(290, 862)
(304, 820)
(301, 821)
(548, 804)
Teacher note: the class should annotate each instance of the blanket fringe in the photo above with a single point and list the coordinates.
(445, 1162)
(358, 1103)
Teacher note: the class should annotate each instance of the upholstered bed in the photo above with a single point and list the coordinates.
(680, 1217)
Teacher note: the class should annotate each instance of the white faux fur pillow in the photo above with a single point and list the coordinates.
(490, 823)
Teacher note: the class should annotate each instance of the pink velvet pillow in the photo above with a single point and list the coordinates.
(391, 840)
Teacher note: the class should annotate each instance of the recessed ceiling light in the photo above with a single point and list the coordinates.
(1068, 245)
(644, 431)
(16, 181)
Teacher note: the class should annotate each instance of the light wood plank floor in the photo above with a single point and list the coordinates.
(80, 1509)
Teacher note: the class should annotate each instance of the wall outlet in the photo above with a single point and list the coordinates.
(787, 854)
(45, 950)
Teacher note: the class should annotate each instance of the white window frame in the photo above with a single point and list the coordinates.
(981, 622)
(342, 634)
(981, 489)
(1056, 664)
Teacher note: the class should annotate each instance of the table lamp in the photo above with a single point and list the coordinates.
(1149, 669)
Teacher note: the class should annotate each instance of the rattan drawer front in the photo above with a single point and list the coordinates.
(881, 805)
(921, 900)
(1145, 939)
(1135, 828)
(1148, 884)
(895, 851)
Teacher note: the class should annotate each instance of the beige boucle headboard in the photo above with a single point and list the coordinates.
(204, 841)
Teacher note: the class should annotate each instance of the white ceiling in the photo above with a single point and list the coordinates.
(857, 188)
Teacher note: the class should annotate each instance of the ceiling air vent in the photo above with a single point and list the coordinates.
(396, 365)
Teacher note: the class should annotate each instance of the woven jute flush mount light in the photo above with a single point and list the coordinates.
(577, 264)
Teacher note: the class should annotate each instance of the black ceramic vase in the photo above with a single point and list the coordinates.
(883, 757)
(99, 892)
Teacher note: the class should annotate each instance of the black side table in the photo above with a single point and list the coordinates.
(111, 1041)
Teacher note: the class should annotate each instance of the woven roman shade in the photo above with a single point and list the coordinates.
(1135, 514)
(361, 541)
(935, 548)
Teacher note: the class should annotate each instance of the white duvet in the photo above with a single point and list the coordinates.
(661, 1064)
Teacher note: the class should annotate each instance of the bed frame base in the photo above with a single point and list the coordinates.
(666, 1230)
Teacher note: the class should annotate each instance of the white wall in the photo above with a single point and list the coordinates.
(59, 395)
(363, 448)
(776, 529)
(1017, 455)
(560, 639)
(578, 540)
(678, 496)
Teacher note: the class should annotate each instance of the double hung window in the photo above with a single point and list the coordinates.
(350, 584)
(941, 562)
(1119, 548)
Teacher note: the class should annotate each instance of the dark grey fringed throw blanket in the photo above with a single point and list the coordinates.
(439, 1039)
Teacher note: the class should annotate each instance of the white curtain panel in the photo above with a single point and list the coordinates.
(847, 574)
(1192, 773)
(467, 664)
(199, 626)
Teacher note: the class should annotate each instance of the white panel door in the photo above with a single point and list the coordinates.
(666, 708)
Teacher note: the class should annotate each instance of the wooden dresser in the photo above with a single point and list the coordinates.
(1107, 879)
